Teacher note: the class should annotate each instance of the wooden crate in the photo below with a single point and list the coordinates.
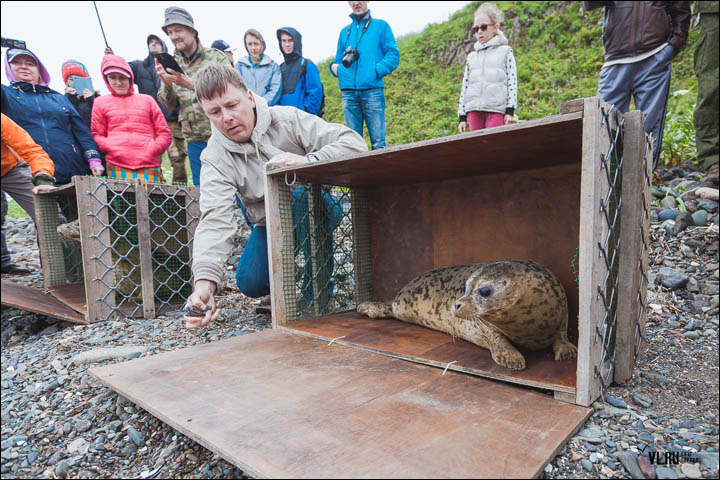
(135, 250)
(569, 191)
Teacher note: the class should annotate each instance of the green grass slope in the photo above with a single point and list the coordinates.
(558, 50)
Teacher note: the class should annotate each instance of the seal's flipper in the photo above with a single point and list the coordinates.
(563, 349)
(376, 309)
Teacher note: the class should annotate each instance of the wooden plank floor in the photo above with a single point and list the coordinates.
(278, 404)
(36, 301)
(420, 344)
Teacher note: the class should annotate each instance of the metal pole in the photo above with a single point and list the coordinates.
(101, 27)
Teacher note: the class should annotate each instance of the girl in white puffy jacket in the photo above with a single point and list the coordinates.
(489, 89)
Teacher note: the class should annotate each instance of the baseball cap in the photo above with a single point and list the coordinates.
(14, 52)
(223, 46)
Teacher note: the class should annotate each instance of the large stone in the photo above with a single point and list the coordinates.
(691, 470)
(707, 205)
(630, 464)
(707, 193)
(709, 459)
(700, 218)
(641, 400)
(99, 354)
(647, 468)
(672, 278)
(665, 472)
(667, 214)
(682, 221)
(79, 445)
(669, 202)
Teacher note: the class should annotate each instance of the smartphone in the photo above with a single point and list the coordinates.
(167, 61)
(80, 84)
(10, 43)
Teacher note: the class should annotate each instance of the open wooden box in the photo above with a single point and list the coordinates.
(135, 251)
(329, 393)
(569, 191)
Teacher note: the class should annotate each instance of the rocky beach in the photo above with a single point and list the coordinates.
(58, 422)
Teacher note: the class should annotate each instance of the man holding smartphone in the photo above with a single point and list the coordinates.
(178, 90)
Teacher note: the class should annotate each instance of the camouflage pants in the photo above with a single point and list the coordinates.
(706, 108)
(177, 152)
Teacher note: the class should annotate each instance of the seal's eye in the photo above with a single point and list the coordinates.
(484, 291)
(504, 282)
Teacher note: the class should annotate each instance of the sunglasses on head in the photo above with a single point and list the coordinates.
(482, 27)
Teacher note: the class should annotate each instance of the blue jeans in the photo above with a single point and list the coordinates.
(368, 106)
(253, 276)
(648, 82)
(194, 150)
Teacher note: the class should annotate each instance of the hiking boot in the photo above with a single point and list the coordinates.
(14, 269)
(71, 230)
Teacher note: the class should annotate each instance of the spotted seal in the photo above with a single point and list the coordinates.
(497, 305)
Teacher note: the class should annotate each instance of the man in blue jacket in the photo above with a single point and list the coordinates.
(366, 52)
(301, 86)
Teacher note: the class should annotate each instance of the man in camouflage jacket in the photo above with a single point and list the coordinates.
(178, 89)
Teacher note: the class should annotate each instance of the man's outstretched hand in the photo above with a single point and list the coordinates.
(200, 307)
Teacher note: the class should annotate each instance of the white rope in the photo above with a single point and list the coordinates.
(448, 366)
(338, 338)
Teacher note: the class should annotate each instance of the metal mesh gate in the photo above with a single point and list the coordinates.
(140, 246)
(609, 246)
(329, 268)
(134, 258)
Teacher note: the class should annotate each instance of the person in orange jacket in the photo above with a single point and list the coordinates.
(26, 170)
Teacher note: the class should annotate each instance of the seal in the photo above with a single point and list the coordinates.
(498, 306)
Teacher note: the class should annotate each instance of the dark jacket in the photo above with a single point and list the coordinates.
(301, 85)
(83, 106)
(149, 83)
(633, 28)
(54, 124)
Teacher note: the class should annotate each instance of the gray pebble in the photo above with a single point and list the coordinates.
(82, 425)
(641, 400)
(615, 402)
(694, 335)
(62, 469)
(630, 463)
(700, 218)
(665, 472)
(138, 438)
(587, 465)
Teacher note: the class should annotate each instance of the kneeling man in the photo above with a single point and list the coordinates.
(247, 134)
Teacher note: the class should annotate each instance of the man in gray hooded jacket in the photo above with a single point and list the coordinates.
(247, 134)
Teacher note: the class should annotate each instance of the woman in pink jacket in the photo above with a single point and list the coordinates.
(128, 126)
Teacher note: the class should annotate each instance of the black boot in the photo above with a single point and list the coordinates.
(8, 266)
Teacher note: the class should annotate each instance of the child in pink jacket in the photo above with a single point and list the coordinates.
(128, 126)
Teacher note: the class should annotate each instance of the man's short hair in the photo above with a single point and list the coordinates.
(213, 80)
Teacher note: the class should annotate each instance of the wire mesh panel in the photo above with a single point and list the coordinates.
(611, 165)
(173, 214)
(62, 258)
(138, 246)
(320, 276)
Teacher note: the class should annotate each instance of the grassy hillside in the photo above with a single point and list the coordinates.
(558, 50)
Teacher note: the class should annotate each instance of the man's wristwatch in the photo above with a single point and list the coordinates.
(312, 158)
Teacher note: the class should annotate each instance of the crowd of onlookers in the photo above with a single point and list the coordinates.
(155, 106)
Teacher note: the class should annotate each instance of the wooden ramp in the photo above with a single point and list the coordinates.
(282, 405)
(33, 300)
